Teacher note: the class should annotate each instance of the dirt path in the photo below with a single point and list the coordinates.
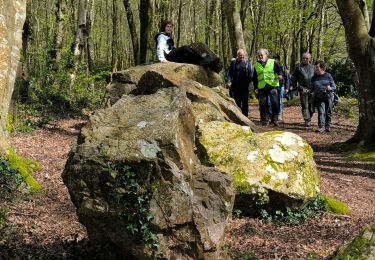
(350, 181)
(46, 226)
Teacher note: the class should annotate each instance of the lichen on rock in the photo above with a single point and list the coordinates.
(281, 162)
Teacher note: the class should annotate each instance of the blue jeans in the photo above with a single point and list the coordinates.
(324, 111)
(268, 103)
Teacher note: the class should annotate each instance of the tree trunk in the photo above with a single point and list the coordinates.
(179, 23)
(145, 16)
(364, 9)
(55, 53)
(133, 31)
(13, 14)
(361, 46)
(321, 30)
(79, 41)
(254, 44)
(234, 23)
(114, 45)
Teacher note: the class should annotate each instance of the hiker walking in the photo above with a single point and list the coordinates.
(240, 74)
(302, 76)
(266, 78)
(323, 88)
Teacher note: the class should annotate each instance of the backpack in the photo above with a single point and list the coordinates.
(336, 99)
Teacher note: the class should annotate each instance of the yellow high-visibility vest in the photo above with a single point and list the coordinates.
(266, 74)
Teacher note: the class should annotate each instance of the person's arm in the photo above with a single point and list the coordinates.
(278, 71)
(295, 77)
(255, 81)
(286, 80)
(332, 84)
(250, 71)
(161, 47)
(231, 71)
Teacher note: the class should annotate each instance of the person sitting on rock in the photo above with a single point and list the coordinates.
(195, 53)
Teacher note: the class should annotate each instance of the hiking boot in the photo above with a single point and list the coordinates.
(264, 122)
(276, 123)
(307, 123)
(328, 129)
(319, 130)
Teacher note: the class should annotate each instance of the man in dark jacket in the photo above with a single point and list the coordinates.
(302, 75)
(239, 77)
(266, 78)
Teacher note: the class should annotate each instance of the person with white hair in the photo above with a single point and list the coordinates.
(240, 74)
(266, 78)
(302, 81)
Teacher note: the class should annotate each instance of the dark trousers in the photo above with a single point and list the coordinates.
(265, 95)
(242, 100)
(324, 111)
(307, 105)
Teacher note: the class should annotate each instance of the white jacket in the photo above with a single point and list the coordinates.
(162, 47)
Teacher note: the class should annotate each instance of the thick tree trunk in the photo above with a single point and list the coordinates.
(361, 48)
(12, 15)
(145, 15)
(235, 26)
(133, 31)
(254, 44)
(114, 44)
(55, 52)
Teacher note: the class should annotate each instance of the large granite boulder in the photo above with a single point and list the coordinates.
(273, 168)
(138, 185)
(124, 82)
(150, 186)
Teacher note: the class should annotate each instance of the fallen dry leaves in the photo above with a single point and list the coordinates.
(46, 224)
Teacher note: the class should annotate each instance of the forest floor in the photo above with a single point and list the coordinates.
(45, 226)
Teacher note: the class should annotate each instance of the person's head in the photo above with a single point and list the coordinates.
(263, 54)
(277, 58)
(306, 58)
(166, 26)
(320, 67)
(240, 55)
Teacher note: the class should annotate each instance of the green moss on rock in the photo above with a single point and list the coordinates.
(278, 161)
(26, 167)
(335, 206)
(359, 247)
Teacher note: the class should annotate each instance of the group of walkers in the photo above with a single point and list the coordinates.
(314, 85)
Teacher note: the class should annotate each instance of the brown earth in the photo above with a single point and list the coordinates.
(44, 226)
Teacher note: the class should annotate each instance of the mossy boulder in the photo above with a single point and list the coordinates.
(272, 168)
(137, 182)
(361, 247)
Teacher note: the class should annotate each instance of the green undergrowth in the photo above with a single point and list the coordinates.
(347, 107)
(10, 180)
(358, 248)
(25, 166)
(313, 207)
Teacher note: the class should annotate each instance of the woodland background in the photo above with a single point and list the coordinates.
(71, 47)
